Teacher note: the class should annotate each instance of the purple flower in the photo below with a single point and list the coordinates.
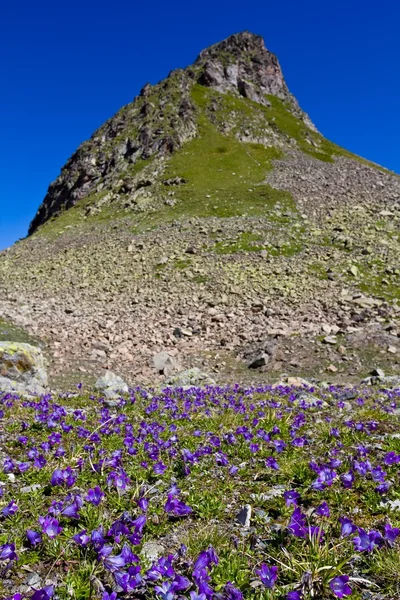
(279, 445)
(143, 503)
(323, 510)
(176, 507)
(232, 593)
(272, 463)
(165, 591)
(34, 538)
(180, 583)
(130, 580)
(7, 552)
(347, 479)
(203, 563)
(297, 524)
(196, 596)
(291, 497)
(107, 596)
(391, 458)
(340, 587)
(50, 526)
(72, 510)
(391, 533)
(139, 524)
(66, 477)
(81, 538)
(119, 479)
(94, 496)
(57, 478)
(294, 595)
(113, 562)
(268, 575)
(44, 594)
(366, 542)
(159, 468)
(348, 526)
(97, 537)
(325, 478)
(9, 510)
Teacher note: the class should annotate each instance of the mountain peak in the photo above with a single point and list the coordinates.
(237, 43)
(242, 63)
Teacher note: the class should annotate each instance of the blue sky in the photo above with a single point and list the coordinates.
(68, 66)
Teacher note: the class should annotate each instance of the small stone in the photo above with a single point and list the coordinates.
(392, 349)
(152, 550)
(354, 270)
(190, 378)
(164, 363)
(377, 373)
(187, 332)
(33, 580)
(332, 368)
(244, 516)
(111, 385)
(258, 362)
(330, 339)
(28, 489)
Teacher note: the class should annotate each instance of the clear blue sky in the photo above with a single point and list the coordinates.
(68, 66)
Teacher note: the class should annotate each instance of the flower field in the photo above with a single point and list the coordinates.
(203, 493)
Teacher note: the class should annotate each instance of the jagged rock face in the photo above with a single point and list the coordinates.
(161, 119)
(242, 64)
(155, 124)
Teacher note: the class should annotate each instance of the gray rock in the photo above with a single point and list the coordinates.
(111, 385)
(152, 550)
(391, 381)
(392, 505)
(28, 489)
(190, 378)
(33, 580)
(258, 362)
(22, 369)
(164, 363)
(244, 516)
(378, 373)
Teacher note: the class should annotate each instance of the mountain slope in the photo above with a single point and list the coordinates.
(210, 218)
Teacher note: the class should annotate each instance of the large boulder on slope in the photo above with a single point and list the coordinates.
(22, 369)
(111, 385)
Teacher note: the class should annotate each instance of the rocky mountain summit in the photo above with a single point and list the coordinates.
(161, 119)
(210, 223)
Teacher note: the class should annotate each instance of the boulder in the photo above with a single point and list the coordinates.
(258, 362)
(244, 516)
(22, 369)
(111, 385)
(190, 378)
(164, 363)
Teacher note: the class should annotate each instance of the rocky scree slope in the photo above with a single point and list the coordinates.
(209, 218)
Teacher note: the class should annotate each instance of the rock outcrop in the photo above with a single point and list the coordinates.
(22, 369)
(159, 121)
(111, 386)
